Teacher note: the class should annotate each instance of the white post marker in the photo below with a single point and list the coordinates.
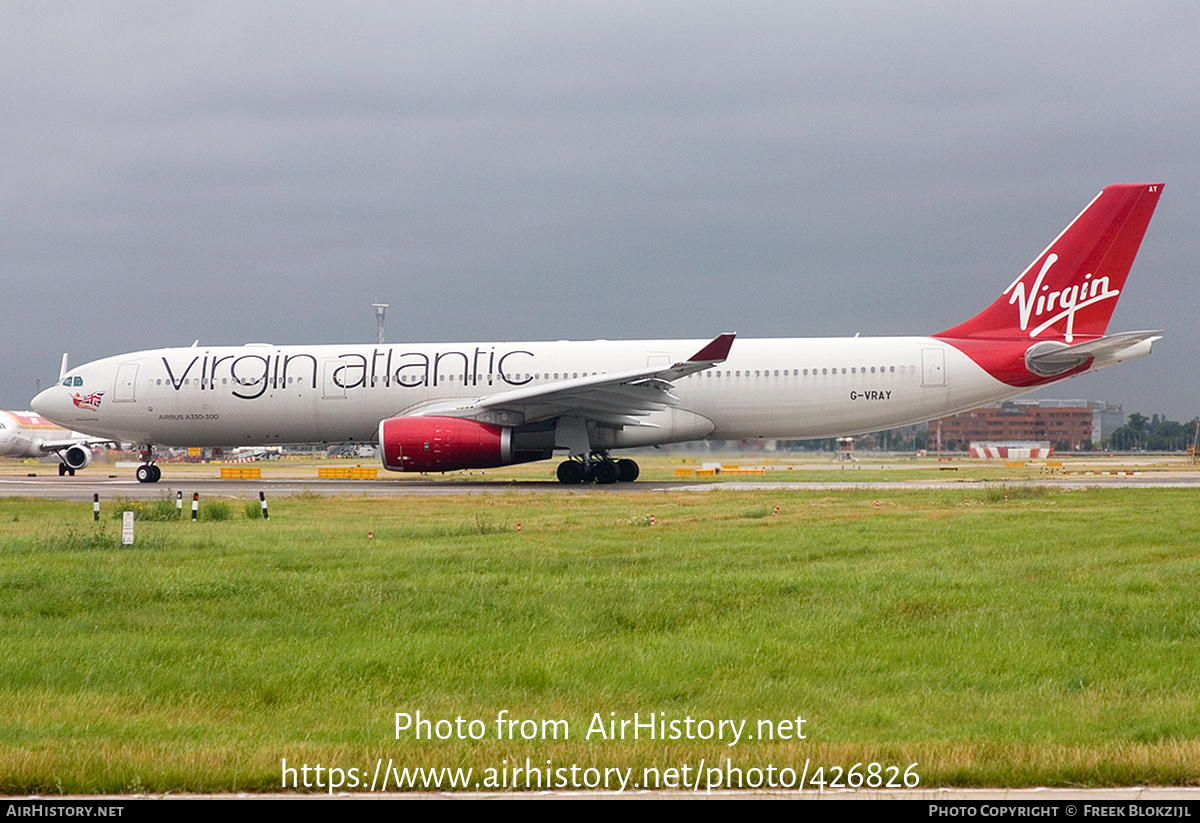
(127, 529)
(262, 498)
(179, 504)
(96, 507)
(195, 505)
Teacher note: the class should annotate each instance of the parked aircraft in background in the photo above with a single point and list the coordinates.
(25, 434)
(254, 453)
(444, 407)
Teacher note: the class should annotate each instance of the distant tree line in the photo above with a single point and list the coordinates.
(1154, 433)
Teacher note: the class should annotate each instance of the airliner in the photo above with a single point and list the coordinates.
(25, 434)
(446, 407)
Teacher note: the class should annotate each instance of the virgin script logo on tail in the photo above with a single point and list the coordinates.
(1040, 300)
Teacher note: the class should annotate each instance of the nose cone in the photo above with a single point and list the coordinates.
(51, 403)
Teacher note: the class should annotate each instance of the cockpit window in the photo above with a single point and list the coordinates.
(72, 381)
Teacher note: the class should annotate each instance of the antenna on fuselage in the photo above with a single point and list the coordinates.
(380, 309)
(62, 369)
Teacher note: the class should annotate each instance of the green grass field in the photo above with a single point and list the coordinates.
(1051, 638)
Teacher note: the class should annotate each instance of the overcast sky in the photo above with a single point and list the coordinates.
(240, 172)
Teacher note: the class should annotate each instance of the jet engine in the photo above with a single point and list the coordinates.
(77, 457)
(442, 444)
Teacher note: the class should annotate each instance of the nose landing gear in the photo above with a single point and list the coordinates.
(148, 472)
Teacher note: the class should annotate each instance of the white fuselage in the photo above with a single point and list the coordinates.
(266, 394)
(25, 434)
(439, 407)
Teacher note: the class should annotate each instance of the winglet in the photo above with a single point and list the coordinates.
(716, 351)
(709, 356)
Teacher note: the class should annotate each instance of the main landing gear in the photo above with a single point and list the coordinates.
(148, 472)
(64, 469)
(599, 467)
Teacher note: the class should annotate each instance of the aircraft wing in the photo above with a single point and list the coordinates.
(55, 446)
(616, 398)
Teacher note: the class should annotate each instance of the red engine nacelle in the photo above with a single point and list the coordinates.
(442, 444)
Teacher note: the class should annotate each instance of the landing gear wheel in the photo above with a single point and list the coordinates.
(148, 473)
(62, 469)
(157, 474)
(570, 472)
(629, 470)
(606, 472)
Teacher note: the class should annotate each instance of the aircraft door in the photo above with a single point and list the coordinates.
(126, 386)
(333, 387)
(933, 368)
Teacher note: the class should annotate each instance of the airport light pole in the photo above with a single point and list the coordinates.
(380, 309)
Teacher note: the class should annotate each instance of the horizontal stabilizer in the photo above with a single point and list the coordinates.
(1050, 358)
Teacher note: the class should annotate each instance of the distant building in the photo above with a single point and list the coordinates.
(1073, 424)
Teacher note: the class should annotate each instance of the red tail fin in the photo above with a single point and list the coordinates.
(1071, 289)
